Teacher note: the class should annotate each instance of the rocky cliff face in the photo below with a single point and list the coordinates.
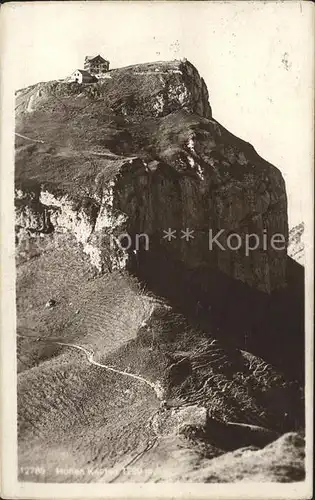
(140, 153)
(296, 243)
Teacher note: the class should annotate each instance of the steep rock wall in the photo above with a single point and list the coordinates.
(186, 172)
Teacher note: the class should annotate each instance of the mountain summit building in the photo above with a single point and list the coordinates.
(82, 76)
(95, 67)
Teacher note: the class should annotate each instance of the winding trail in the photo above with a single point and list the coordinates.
(156, 387)
(29, 138)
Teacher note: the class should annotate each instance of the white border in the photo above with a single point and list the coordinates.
(10, 487)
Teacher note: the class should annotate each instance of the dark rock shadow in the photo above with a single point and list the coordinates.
(267, 325)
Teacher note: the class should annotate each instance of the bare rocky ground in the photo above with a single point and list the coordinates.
(296, 243)
(80, 422)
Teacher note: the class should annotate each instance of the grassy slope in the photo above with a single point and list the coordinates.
(115, 116)
(75, 415)
(63, 273)
(64, 401)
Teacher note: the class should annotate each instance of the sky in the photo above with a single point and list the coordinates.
(256, 58)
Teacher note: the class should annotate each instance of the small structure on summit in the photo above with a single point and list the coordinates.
(96, 65)
(82, 76)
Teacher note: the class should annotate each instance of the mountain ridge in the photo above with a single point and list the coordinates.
(172, 154)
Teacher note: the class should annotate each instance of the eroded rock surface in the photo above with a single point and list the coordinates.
(140, 153)
(296, 243)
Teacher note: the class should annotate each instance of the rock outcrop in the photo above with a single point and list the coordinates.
(139, 153)
(296, 243)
